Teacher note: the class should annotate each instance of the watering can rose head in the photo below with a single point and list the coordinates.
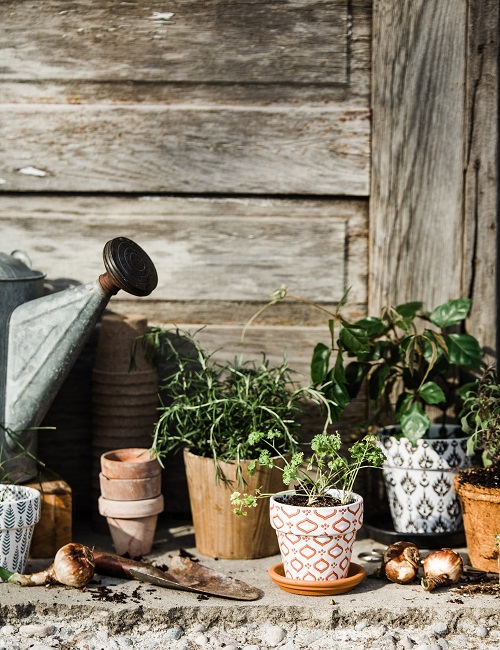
(314, 474)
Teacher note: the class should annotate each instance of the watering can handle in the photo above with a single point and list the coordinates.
(128, 267)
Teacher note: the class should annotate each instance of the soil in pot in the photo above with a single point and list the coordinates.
(479, 492)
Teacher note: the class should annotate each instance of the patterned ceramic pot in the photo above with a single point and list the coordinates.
(419, 480)
(19, 512)
(316, 543)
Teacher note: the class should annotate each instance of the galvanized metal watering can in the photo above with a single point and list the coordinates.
(42, 336)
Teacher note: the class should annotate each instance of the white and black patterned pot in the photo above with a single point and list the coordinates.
(419, 480)
(19, 512)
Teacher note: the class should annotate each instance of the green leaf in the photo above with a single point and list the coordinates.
(467, 388)
(415, 424)
(431, 393)
(403, 405)
(343, 300)
(355, 372)
(464, 350)
(453, 311)
(377, 381)
(409, 309)
(319, 363)
(354, 339)
(5, 574)
(373, 326)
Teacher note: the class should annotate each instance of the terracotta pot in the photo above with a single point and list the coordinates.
(146, 411)
(419, 480)
(134, 377)
(146, 421)
(129, 463)
(124, 401)
(20, 509)
(132, 524)
(130, 482)
(117, 335)
(316, 543)
(102, 444)
(481, 512)
(130, 489)
(219, 532)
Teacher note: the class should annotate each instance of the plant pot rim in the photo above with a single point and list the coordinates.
(356, 499)
(130, 462)
(387, 432)
(187, 452)
(29, 493)
(131, 509)
(473, 491)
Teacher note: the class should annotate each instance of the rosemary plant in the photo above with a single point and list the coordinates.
(215, 409)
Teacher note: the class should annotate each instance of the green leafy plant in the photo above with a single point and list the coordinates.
(214, 408)
(408, 357)
(481, 417)
(326, 468)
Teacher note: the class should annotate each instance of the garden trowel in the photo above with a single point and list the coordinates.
(183, 574)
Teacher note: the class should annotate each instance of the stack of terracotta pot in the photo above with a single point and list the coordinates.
(124, 398)
(131, 500)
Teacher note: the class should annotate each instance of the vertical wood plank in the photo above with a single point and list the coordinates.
(416, 208)
(480, 270)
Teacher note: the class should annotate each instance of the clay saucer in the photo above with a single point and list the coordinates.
(355, 575)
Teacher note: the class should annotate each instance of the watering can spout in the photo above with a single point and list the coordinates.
(45, 337)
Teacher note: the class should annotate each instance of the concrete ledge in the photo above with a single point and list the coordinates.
(123, 604)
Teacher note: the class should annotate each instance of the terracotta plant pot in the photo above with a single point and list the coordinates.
(130, 482)
(20, 510)
(133, 378)
(218, 531)
(316, 543)
(132, 524)
(419, 481)
(129, 463)
(130, 489)
(481, 512)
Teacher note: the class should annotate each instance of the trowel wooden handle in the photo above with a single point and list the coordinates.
(128, 267)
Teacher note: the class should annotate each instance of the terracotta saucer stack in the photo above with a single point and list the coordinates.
(124, 400)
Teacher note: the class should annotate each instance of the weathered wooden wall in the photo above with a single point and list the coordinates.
(229, 139)
(434, 183)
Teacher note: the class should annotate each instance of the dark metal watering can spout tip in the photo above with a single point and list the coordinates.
(128, 267)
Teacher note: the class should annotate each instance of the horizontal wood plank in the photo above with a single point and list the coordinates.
(271, 150)
(226, 41)
(204, 249)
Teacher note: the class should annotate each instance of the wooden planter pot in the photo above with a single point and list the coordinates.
(481, 514)
(218, 531)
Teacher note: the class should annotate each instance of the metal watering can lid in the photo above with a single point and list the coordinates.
(17, 266)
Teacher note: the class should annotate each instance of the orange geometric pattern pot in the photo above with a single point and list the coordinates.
(316, 543)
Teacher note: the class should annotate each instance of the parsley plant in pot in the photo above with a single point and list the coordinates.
(411, 363)
(316, 522)
(479, 487)
(209, 410)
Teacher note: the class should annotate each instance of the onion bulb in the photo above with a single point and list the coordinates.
(442, 568)
(73, 566)
(401, 562)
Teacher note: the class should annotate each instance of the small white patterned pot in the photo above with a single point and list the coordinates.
(419, 481)
(316, 543)
(19, 513)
